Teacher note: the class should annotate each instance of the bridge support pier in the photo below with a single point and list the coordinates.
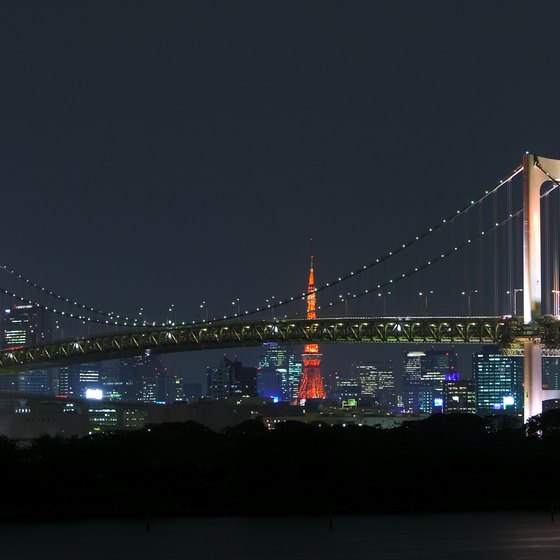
(533, 179)
(532, 379)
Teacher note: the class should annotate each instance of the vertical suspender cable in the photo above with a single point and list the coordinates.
(495, 254)
(509, 250)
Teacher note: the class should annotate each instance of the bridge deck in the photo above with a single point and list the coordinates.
(404, 330)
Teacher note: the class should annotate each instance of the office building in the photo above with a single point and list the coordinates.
(193, 391)
(218, 380)
(117, 384)
(498, 381)
(269, 383)
(551, 373)
(424, 376)
(243, 379)
(377, 383)
(26, 325)
(282, 359)
(149, 377)
(459, 395)
(75, 380)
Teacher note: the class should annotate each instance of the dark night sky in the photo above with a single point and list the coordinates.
(168, 152)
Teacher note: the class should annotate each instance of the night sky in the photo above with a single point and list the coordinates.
(172, 152)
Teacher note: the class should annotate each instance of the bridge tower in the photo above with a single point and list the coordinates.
(311, 386)
(536, 171)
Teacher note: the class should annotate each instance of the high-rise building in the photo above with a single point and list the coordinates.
(291, 379)
(26, 325)
(424, 375)
(420, 398)
(282, 359)
(269, 383)
(243, 379)
(435, 365)
(231, 379)
(75, 380)
(148, 375)
(311, 381)
(117, 382)
(218, 380)
(174, 388)
(551, 373)
(331, 380)
(193, 391)
(413, 368)
(38, 382)
(498, 380)
(459, 395)
(377, 383)
(348, 388)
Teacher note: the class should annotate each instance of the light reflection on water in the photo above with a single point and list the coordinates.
(495, 536)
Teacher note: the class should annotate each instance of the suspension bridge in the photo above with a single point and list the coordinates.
(497, 246)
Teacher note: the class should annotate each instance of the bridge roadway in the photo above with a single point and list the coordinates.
(507, 332)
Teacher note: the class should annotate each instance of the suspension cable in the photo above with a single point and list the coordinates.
(112, 319)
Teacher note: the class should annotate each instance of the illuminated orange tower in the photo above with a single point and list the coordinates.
(311, 386)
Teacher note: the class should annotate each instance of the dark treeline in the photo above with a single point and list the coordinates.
(454, 462)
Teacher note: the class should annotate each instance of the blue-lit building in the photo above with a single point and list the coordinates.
(283, 360)
(499, 382)
(269, 383)
(421, 398)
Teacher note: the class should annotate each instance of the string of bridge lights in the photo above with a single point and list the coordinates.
(457, 248)
(84, 319)
(449, 252)
(436, 227)
(356, 295)
(125, 321)
(62, 299)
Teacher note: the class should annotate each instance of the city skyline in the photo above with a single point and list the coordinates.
(130, 138)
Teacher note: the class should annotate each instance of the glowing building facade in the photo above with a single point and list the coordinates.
(311, 381)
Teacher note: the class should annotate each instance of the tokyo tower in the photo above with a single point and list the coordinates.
(311, 381)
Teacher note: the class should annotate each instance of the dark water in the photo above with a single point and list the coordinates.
(494, 536)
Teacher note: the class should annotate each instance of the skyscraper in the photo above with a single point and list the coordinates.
(218, 380)
(413, 368)
(25, 325)
(75, 380)
(282, 359)
(377, 383)
(498, 381)
(243, 379)
(424, 375)
(458, 395)
(435, 365)
(149, 377)
(311, 382)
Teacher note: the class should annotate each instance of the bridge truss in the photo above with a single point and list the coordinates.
(370, 330)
